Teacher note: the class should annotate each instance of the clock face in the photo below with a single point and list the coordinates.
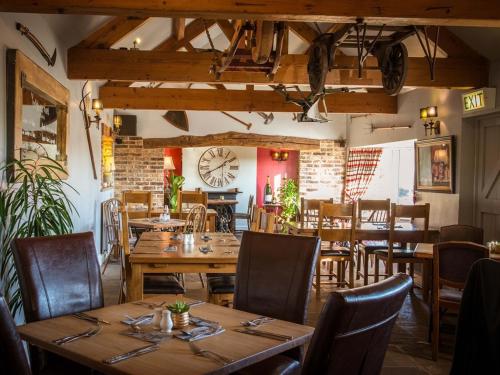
(218, 166)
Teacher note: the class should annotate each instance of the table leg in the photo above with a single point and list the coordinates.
(136, 285)
(426, 280)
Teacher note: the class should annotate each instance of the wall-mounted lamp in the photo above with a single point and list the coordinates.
(279, 155)
(96, 106)
(136, 43)
(428, 114)
(117, 124)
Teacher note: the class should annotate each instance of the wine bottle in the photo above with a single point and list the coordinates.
(268, 192)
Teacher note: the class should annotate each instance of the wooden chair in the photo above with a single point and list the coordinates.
(255, 223)
(309, 209)
(248, 215)
(337, 223)
(393, 255)
(190, 198)
(195, 223)
(138, 197)
(377, 211)
(153, 283)
(460, 232)
(452, 262)
(111, 209)
(265, 222)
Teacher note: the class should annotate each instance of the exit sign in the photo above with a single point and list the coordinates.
(478, 101)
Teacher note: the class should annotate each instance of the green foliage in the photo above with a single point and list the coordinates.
(176, 183)
(289, 199)
(178, 307)
(32, 204)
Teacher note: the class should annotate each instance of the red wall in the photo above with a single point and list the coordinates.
(266, 166)
(176, 154)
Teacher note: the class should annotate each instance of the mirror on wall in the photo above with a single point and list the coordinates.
(37, 110)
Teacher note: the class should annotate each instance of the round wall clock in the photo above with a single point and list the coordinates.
(218, 166)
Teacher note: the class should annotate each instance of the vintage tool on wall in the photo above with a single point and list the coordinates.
(88, 121)
(51, 60)
(247, 124)
(178, 119)
(256, 46)
(268, 118)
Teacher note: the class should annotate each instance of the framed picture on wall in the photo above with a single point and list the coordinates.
(435, 165)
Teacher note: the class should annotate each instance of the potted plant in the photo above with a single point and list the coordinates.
(33, 203)
(176, 183)
(289, 199)
(180, 314)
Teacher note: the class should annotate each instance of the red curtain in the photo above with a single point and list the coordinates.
(361, 165)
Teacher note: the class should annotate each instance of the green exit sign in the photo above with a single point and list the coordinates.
(478, 100)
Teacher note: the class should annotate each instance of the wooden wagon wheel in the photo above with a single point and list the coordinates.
(317, 67)
(394, 66)
(264, 38)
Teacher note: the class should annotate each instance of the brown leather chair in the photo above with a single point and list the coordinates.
(58, 275)
(452, 262)
(274, 275)
(352, 333)
(13, 358)
(459, 232)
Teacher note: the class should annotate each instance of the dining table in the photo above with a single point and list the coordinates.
(169, 354)
(155, 213)
(154, 223)
(168, 252)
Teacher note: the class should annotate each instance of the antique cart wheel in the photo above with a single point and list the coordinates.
(394, 66)
(317, 67)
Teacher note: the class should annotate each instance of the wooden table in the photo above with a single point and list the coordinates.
(174, 355)
(154, 223)
(211, 216)
(149, 257)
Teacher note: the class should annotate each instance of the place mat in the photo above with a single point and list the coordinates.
(148, 334)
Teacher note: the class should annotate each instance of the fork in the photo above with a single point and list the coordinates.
(90, 318)
(209, 354)
(86, 334)
(150, 305)
(257, 321)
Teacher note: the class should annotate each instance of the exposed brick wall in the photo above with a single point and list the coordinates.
(321, 172)
(137, 168)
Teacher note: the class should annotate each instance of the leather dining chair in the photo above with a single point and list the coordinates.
(460, 232)
(452, 262)
(274, 276)
(352, 334)
(58, 275)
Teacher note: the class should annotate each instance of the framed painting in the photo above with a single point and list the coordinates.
(435, 165)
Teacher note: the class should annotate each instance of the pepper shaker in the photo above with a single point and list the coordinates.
(157, 317)
(166, 323)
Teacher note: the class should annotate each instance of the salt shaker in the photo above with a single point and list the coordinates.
(157, 317)
(166, 323)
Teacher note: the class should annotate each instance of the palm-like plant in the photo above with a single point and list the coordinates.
(33, 203)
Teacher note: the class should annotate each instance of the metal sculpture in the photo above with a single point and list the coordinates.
(51, 60)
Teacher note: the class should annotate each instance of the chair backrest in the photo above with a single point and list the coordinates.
(13, 357)
(255, 223)
(58, 275)
(196, 219)
(250, 205)
(274, 275)
(421, 232)
(186, 199)
(267, 222)
(138, 197)
(377, 211)
(337, 222)
(111, 220)
(126, 269)
(354, 328)
(309, 209)
(459, 232)
(453, 260)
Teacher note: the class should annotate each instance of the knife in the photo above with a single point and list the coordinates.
(131, 354)
(269, 335)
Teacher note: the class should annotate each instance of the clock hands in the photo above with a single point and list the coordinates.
(220, 166)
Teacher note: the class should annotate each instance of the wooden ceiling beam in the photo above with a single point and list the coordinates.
(452, 44)
(303, 31)
(178, 27)
(227, 28)
(192, 30)
(238, 100)
(235, 139)
(112, 32)
(161, 66)
(420, 12)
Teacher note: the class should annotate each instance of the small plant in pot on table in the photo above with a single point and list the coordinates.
(180, 314)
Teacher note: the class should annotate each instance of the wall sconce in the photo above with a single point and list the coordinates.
(428, 114)
(279, 155)
(96, 106)
(136, 43)
(117, 124)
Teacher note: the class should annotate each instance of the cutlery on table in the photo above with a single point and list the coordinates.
(90, 318)
(89, 333)
(257, 321)
(138, 320)
(269, 335)
(209, 354)
(131, 354)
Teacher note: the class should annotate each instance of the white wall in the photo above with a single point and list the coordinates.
(246, 181)
(444, 207)
(88, 200)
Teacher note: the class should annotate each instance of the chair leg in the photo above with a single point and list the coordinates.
(339, 272)
(330, 270)
(318, 278)
(377, 268)
(202, 281)
(358, 264)
(435, 331)
(365, 268)
(351, 273)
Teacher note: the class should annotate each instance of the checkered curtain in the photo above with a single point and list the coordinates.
(361, 165)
